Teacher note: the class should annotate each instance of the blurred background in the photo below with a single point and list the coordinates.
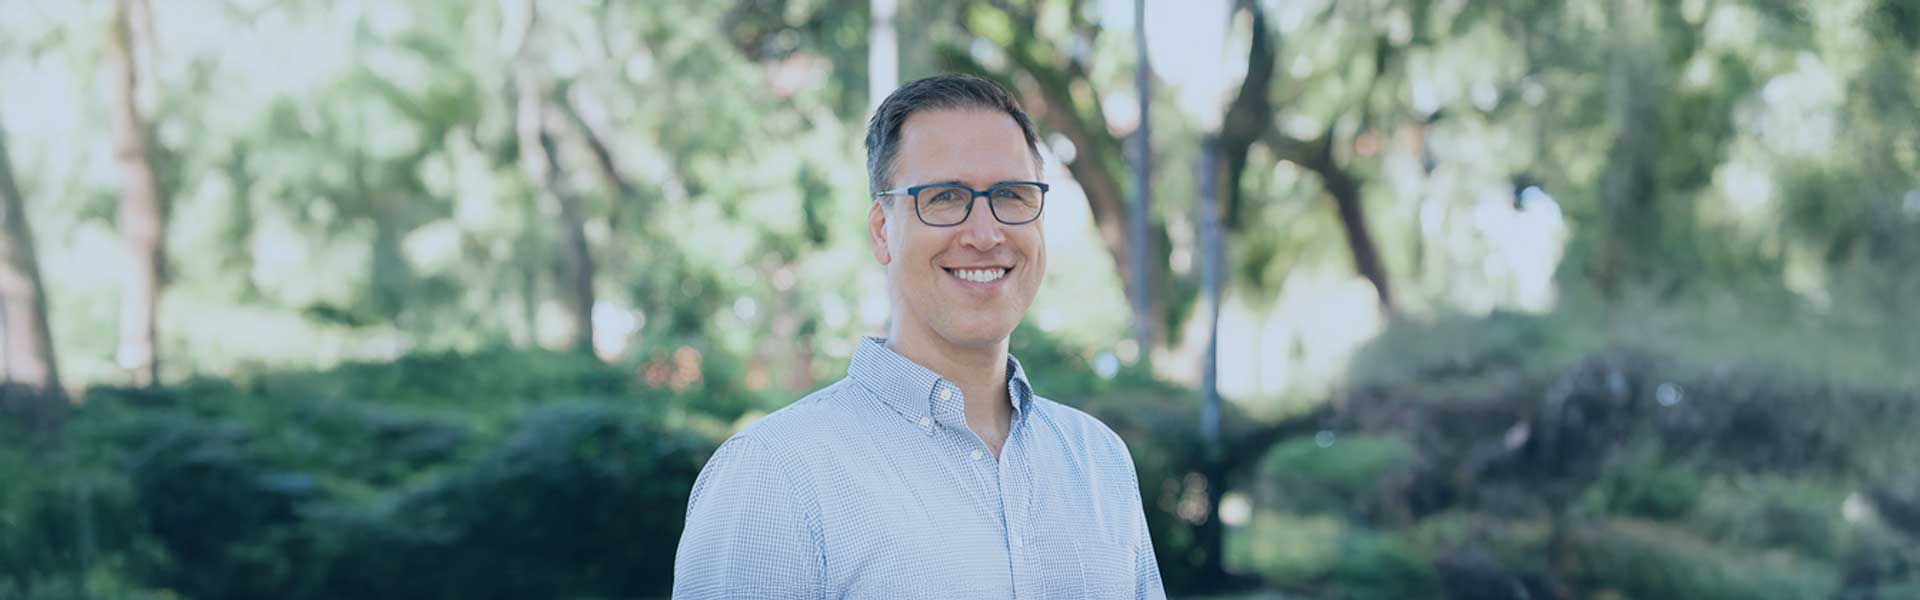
(1389, 298)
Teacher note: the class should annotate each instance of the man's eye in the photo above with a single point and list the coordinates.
(947, 196)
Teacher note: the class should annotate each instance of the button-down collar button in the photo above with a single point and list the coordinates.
(946, 394)
(926, 422)
(975, 455)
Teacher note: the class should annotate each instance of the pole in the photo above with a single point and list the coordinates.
(1141, 246)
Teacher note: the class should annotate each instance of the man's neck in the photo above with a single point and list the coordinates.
(980, 373)
(972, 369)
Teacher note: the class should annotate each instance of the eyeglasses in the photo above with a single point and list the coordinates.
(948, 204)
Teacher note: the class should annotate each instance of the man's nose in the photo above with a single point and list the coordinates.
(981, 230)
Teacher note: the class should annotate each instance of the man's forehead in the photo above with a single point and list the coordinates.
(962, 126)
(964, 146)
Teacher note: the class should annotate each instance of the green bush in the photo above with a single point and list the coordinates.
(1463, 347)
(1643, 481)
(483, 380)
(581, 500)
(1357, 475)
(225, 517)
(1774, 512)
(1646, 560)
(1326, 556)
(1382, 565)
(549, 477)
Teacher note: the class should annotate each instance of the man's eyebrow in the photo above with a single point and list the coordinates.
(964, 184)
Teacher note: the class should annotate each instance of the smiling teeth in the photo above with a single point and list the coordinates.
(979, 275)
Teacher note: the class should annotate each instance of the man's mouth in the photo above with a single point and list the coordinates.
(987, 275)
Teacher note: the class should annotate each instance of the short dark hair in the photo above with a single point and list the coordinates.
(948, 91)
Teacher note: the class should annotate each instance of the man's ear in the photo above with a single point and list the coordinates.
(877, 230)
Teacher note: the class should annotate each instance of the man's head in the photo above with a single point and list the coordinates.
(942, 279)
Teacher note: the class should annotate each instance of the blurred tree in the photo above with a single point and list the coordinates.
(535, 120)
(28, 343)
(883, 52)
(143, 202)
(1250, 118)
(585, 121)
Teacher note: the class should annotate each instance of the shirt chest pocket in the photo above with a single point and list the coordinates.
(1103, 553)
(1107, 569)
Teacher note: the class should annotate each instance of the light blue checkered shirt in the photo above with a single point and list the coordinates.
(873, 487)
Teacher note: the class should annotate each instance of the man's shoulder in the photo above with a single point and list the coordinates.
(1079, 427)
(801, 422)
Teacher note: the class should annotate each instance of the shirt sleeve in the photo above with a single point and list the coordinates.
(1147, 585)
(749, 533)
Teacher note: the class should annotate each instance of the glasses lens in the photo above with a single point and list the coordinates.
(943, 205)
(1017, 202)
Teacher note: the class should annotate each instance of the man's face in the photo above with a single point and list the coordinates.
(924, 264)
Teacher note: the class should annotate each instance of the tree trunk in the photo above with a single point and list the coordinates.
(883, 53)
(28, 343)
(239, 227)
(1632, 227)
(1211, 534)
(142, 210)
(533, 123)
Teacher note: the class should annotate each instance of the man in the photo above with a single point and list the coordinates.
(932, 470)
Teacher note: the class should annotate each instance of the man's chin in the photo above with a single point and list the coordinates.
(977, 337)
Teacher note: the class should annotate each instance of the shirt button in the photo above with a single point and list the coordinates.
(976, 455)
(946, 394)
(926, 422)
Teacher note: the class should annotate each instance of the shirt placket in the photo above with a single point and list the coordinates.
(1006, 496)
(1015, 497)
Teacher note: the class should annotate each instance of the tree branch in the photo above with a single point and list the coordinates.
(1249, 115)
(594, 135)
(1317, 156)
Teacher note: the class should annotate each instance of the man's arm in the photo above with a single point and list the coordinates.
(1147, 586)
(749, 533)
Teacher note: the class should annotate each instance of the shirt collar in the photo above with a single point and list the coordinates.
(916, 391)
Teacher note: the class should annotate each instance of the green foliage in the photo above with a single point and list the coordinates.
(438, 475)
(1697, 464)
(1334, 560)
(551, 511)
(1643, 560)
(1776, 512)
(1449, 349)
(1381, 565)
(1068, 375)
(224, 518)
(1352, 475)
(450, 380)
(1647, 481)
